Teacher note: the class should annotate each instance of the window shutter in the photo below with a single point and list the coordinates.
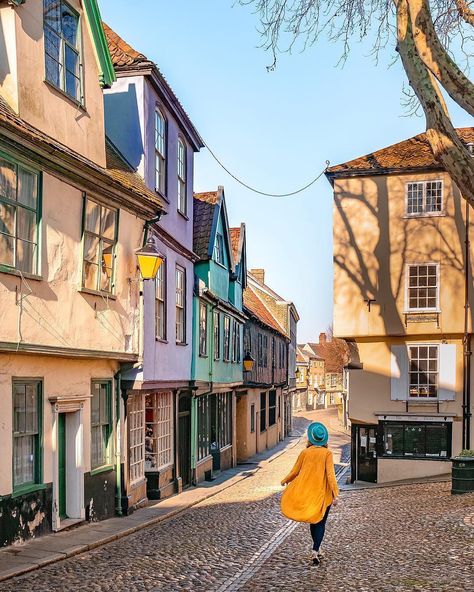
(399, 373)
(447, 372)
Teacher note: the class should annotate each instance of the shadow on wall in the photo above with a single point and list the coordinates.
(122, 124)
(4, 63)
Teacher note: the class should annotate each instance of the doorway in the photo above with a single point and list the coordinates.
(62, 494)
(184, 438)
(366, 453)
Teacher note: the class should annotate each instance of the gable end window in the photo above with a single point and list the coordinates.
(160, 152)
(182, 177)
(219, 249)
(19, 217)
(423, 287)
(27, 414)
(62, 48)
(424, 197)
(100, 238)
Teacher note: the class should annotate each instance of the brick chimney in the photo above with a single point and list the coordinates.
(259, 275)
(322, 338)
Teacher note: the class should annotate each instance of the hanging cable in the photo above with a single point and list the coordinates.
(250, 188)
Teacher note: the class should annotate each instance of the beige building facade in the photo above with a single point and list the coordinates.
(402, 268)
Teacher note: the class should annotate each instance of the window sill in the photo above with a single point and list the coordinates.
(160, 340)
(98, 293)
(425, 215)
(162, 195)
(204, 459)
(183, 215)
(28, 489)
(181, 343)
(104, 469)
(160, 469)
(17, 273)
(203, 356)
(422, 311)
(63, 93)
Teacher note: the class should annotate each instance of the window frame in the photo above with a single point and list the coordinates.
(263, 412)
(408, 309)
(182, 307)
(108, 430)
(111, 242)
(37, 482)
(203, 321)
(421, 398)
(182, 173)
(163, 301)
(79, 50)
(217, 335)
(15, 269)
(252, 418)
(412, 456)
(219, 249)
(165, 428)
(135, 462)
(203, 427)
(227, 338)
(424, 213)
(272, 414)
(162, 176)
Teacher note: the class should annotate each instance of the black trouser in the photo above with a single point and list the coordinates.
(318, 529)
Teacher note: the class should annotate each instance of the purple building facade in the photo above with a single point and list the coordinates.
(150, 128)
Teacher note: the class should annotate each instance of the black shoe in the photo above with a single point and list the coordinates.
(315, 558)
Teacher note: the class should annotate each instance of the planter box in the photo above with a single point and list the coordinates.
(462, 479)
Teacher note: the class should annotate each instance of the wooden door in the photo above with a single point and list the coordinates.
(184, 438)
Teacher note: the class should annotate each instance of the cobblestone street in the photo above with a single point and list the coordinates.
(403, 538)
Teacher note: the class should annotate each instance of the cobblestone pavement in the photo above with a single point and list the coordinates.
(402, 538)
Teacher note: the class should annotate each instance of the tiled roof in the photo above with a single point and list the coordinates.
(234, 240)
(203, 215)
(123, 55)
(257, 308)
(117, 171)
(414, 153)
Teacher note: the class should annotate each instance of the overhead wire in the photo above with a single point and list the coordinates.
(258, 191)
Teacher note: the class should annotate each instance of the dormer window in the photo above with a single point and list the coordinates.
(62, 48)
(424, 198)
(181, 176)
(160, 152)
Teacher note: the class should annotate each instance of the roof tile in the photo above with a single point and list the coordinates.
(257, 308)
(203, 215)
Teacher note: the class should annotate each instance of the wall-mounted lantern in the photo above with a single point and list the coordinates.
(298, 374)
(248, 362)
(149, 259)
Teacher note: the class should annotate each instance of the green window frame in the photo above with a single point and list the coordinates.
(101, 424)
(62, 48)
(227, 338)
(27, 465)
(20, 216)
(99, 230)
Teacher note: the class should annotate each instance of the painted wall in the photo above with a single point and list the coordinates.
(373, 242)
(390, 469)
(23, 85)
(52, 309)
(130, 123)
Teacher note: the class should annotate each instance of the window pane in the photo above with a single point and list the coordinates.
(7, 253)
(91, 248)
(18, 408)
(51, 10)
(23, 460)
(7, 180)
(91, 274)
(104, 408)
(393, 440)
(26, 256)
(95, 404)
(107, 225)
(52, 57)
(414, 440)
(7, 219)
(26, 224)
(27, 188)
(31, 408)
(436, 440)
(69, 22)
(92, 217)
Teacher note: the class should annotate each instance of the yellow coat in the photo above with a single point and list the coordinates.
(312, 486)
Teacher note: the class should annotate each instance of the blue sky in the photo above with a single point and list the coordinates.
(273, 129)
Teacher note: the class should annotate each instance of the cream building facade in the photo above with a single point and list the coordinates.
(402, 268)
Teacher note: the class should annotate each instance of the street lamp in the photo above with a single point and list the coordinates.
(149, 259)
(298, 374)
(248, 362)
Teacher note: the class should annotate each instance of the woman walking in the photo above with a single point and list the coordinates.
(312, 488)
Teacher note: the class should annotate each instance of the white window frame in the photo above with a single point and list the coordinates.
(407, 287)
(136, 438)
(160, 429)
(160, 152)
(421, 398)
(182, 176)
(203, 318)
(180, 305)
(424, 213)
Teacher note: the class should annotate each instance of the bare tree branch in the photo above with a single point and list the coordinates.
(465, 10)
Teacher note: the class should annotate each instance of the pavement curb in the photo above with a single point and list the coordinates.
(245, 474)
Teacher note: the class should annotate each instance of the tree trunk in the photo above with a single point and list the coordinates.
(447, 147)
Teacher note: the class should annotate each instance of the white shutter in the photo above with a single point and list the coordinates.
(447, 372)
(399, 373)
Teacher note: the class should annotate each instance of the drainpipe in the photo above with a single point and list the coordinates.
(466, 399)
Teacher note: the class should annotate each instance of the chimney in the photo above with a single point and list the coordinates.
(259, 275)
(322, 338)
